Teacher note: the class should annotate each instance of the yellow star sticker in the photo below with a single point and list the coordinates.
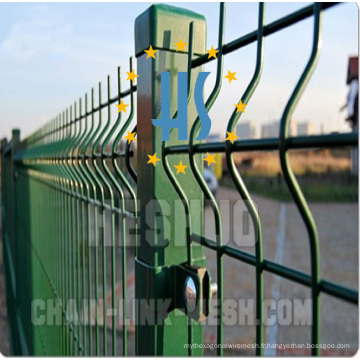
(231, 136)
(210, 159)
(212, 52)
(130, 136)
(180, 168)
(131, 75)
(150, 52)
(122, 106)
(240, 106)
(231, 76)
(180, 45)
(153, 159)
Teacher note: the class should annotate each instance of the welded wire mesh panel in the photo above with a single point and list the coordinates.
(282, 144)
(70, 210)
(74, 191)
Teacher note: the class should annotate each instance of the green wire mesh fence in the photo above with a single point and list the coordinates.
(70, 194)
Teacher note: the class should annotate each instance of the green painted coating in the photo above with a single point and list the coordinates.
(266, 144)
(240, 186)
(180, 191)
(293, 185)
(53, 168)
(202, 183)
(170, 246)
(152, 28)
(58, 182)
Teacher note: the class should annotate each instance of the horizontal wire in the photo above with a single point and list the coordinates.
(267, 144)
(298, 276)
(37, 160)
(269, 29)
(85, 199)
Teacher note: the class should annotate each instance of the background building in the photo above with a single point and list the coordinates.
(305, 128)
(271, 130)
(246, 130)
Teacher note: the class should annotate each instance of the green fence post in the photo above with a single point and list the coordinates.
(17, 247)
(11, 218)
(163, 241)
(11, 263)
(15, 140)
(9, 275)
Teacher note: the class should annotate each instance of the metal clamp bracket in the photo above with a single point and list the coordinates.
(188, 288)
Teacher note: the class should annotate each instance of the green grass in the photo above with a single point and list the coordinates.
(325, 188)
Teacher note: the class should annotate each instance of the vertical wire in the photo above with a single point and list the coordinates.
(90, 176)
(66, 229)
(88, 230)
(97, 330)
(82, 174)
(72, 235)
(112, 213)
(68, 239)
(103, 238)
(128, 164)
(120, 192)
(98, 177)
(240, 186)
(81, 255)
(292, 183)
(59, 232)
(63, 256)
(93, 131)
(113, 244)
(55, 217)
(77, 236)
(204, 187)
(79, 181)
(64, 239)
(83, 231)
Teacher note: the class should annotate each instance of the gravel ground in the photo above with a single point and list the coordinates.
(338, 233)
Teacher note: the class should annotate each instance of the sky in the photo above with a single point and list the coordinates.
(53, 53)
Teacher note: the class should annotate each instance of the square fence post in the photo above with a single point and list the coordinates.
(163, 240)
